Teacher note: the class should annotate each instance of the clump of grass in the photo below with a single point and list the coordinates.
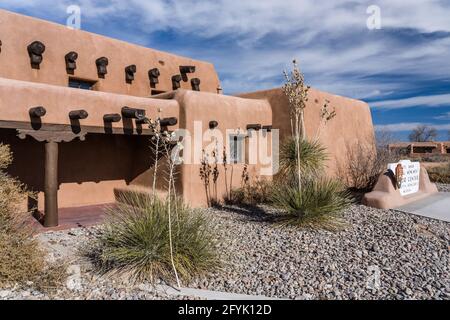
(312, 157)
(440, 174)
(21, 258)
(256, 192)
(317, 205)
(135, 241)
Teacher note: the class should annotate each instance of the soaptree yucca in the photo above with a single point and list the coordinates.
(141, 239)
(297, 92)
(312, 160)
(318, 204)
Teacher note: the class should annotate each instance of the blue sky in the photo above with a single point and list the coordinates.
(402, 70)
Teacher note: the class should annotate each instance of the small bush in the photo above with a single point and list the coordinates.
(318, 204)
(364, 165)
(312, 157)
(435, 158)
(135, 240)
(440, 174)
(251, 194)
(21, 258)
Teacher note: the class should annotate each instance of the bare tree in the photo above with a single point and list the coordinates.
(423, 133)
(383, 139)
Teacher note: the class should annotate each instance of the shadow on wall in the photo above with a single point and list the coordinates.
(99, 158)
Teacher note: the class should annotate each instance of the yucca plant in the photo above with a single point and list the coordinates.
(312, 160)
(317, 204)
(135, 240)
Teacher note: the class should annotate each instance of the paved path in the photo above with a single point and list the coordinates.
(436, 206)
(208, 295)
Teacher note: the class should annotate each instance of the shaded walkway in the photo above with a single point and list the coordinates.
(70, 218)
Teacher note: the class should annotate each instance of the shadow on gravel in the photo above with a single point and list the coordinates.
(250, 213)
(358, 194)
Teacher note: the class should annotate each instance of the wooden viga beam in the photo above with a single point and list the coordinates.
(37, 112)
(166, 122)
(132, 113)
(255, 127)
(78, 115)
(114, 117)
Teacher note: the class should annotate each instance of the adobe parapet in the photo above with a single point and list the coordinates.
(39, 51)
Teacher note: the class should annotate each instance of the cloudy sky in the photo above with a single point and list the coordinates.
(402, 69)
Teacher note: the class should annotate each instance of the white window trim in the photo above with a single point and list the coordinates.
(240, 157)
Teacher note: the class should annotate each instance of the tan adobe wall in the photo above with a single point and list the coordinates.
(352, 125)
(17, 97)
(18, 31)
(91, 170)
(231, 113)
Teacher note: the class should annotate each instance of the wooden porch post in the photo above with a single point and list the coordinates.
(51, 184)
(51, 138)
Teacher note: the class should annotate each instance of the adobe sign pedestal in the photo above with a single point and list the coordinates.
(402, 183)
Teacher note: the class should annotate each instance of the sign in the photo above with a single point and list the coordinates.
(408, 176)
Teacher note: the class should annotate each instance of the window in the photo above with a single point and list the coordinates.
(236, 149)
(423, 149)
(81, 84)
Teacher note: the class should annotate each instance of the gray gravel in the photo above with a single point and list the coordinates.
(410, 254)
(83, 283)
(443, 187)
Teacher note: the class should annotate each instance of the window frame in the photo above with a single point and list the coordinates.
(236, 145)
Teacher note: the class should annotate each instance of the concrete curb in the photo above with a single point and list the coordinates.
(208, 295)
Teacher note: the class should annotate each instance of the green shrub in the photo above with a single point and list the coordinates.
(312, 158)
(135, 240)
(318, 204)
(21, 258)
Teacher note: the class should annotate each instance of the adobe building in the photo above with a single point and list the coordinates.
(71, 108)
(418, 149)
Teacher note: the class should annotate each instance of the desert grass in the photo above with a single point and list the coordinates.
(22, 260)
(135, 241)
(317, 205)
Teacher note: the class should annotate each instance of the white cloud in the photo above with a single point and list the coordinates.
(408, 126)
(429, 101)
(445, 116)
(261, 16)
(337, 51)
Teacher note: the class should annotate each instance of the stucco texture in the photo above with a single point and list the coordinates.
(94, 171)
(18, 31)
(351, 126)
(385, 195)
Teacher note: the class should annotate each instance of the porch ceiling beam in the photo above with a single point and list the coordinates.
(107, 129)
(51, 136)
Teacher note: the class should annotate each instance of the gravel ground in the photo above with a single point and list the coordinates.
(409, 253)
(83, 283)
(443, 187)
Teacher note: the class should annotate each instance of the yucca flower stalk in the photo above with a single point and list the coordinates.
(168, 139)
(297, 94)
